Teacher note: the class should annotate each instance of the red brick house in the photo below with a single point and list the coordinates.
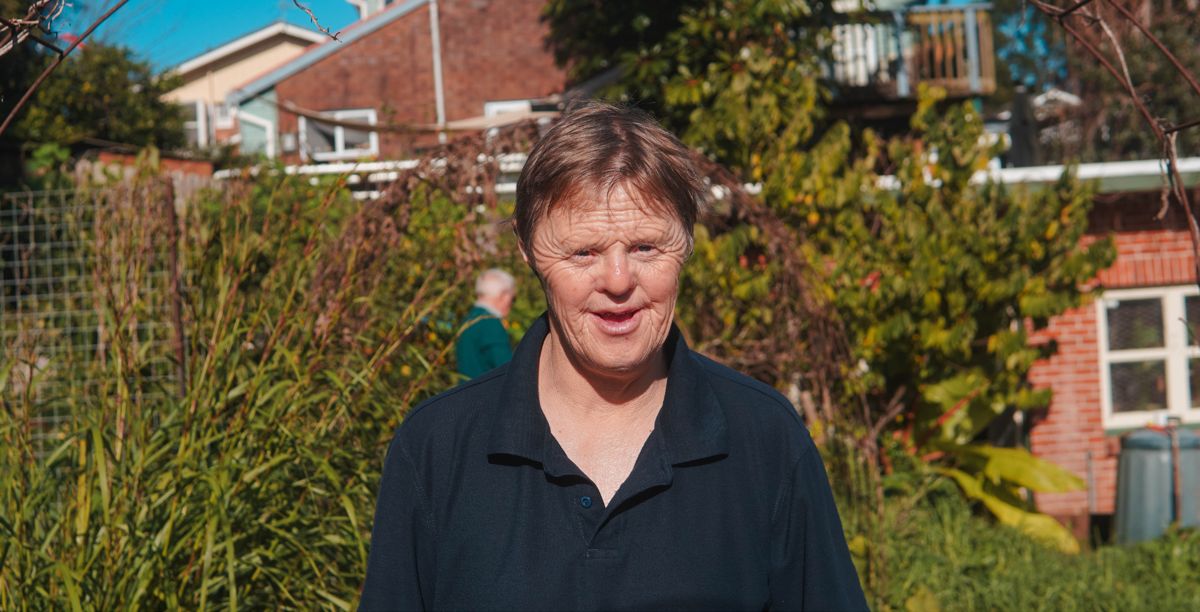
(418, 62)
(1126, 360)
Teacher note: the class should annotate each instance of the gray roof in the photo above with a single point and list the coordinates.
(357, 30)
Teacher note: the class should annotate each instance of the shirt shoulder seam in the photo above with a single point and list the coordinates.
(774, 395)
(501, 371)
(422, 498)
(786, 491)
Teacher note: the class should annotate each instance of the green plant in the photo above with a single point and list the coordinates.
(943, 556)
(312, 323)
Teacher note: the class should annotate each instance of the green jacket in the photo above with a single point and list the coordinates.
(482, 346)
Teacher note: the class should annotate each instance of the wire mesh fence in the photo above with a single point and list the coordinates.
(77, 269)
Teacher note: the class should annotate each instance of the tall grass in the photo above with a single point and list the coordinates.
(943, 555)
(255, 487)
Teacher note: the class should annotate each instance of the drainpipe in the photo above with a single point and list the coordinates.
(439, 95)
(264, 124)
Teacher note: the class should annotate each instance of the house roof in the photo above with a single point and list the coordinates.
(279, 28)
(357, 30)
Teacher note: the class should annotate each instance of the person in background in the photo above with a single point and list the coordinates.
(484, 344)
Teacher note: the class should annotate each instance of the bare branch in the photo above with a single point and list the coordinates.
(41, 13)
(324, 30)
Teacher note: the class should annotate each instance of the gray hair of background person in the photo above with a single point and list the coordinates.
(603, 148)
(494, 282)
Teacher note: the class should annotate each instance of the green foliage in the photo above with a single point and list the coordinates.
(937, 284)
(100, 92)
(47, 167)
(255, 490)
(587, 36)
(737, 80)
(942, 557)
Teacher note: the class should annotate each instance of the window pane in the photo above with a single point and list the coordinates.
(1194, 375)
(1135, 324)
(1193, 318)
(357, 140)
(1139, 385)
(192, 133)
(318, 137)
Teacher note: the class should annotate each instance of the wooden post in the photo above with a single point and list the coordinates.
(176, 297)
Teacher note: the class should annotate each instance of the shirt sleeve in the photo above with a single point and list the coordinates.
(400, 568)
(811, 567)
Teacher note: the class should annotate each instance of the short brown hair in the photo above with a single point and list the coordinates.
(603, 147)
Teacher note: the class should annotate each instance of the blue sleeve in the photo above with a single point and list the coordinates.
(811, 567)
(400, 568)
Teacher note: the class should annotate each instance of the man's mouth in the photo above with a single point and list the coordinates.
(618, 317)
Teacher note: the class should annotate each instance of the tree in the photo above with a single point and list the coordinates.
(100, 92)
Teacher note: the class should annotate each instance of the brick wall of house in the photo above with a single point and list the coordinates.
(1150, 253)
(491, 50)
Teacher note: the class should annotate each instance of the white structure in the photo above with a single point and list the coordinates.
(209, 76)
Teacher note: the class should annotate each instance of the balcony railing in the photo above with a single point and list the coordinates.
(886, 59)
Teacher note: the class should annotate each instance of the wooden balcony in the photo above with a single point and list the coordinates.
(887, 55)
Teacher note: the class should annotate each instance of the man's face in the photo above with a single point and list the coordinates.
(611, 271)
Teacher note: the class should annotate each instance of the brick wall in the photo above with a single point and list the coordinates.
(1150, 253)
(491, 50)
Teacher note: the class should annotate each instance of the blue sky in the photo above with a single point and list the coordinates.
(167, 32)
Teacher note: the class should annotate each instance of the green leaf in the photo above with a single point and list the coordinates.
(1036, 525)
(1018, 466)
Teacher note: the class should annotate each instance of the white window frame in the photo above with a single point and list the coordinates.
(500, 107)
(223, 116)
(1175, 353)
(200, 124)
(339, 151)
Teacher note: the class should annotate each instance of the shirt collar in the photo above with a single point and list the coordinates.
(490, 309)
(692, 421)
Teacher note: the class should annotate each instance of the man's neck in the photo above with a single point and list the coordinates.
(492, 310)
(578, 395)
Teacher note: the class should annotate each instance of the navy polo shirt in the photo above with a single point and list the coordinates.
(727, 508)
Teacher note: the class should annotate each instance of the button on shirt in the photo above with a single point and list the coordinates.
(727, 507)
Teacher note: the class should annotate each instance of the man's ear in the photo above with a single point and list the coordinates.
(524, 255)
(521, 244)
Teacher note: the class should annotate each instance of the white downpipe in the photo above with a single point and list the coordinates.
(264, 124)
(439, 95)
(201, 123)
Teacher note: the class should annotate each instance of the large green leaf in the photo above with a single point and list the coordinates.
(1019, 467)
(1036, 525)
(960, 403)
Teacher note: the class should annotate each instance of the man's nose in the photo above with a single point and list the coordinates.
(616, 275)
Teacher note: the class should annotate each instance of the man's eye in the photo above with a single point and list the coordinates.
(644, 248)
(583, 253)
